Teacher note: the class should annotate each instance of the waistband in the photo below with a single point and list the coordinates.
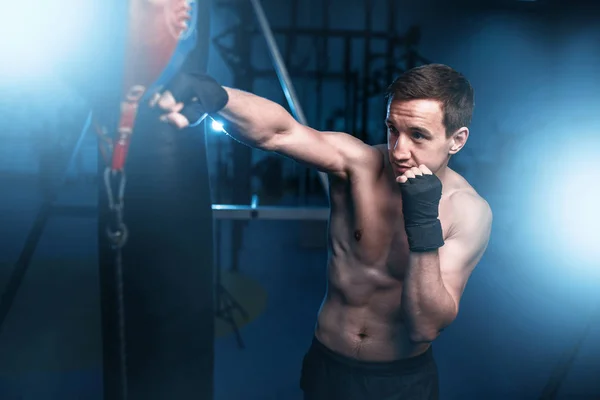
(404, 364)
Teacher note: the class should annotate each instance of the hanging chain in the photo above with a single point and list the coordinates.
(117, 233)
(115, 181)
(115, 154)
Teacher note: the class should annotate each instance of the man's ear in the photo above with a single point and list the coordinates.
(458, 140)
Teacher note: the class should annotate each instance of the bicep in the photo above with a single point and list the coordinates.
(463, 250)
(330, 152)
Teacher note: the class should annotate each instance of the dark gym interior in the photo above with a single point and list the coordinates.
(214, 299)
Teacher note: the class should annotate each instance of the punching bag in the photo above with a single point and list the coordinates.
(155, 219)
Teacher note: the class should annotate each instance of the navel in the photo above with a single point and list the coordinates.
(363, 334)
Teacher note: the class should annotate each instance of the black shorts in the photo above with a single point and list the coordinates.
(327, 375)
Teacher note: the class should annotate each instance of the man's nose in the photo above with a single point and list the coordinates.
(401, 150)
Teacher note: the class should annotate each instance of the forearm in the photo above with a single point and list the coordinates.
(426, 304)
(254, 119)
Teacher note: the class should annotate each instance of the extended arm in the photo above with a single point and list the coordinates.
(264, 124)
(435, 279)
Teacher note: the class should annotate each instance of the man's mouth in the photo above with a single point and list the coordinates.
(400, 169)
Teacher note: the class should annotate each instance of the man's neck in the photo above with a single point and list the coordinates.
(443, 174)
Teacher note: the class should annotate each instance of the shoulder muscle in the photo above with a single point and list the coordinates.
(335, 153)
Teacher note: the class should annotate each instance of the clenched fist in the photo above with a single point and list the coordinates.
(414, 172)
(188, 98)
(421, 193)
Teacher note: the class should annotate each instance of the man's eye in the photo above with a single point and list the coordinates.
(417, 135)
(392, 129)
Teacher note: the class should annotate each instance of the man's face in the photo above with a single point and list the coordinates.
(416, 135)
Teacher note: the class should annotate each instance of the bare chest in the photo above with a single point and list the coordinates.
(368, 225)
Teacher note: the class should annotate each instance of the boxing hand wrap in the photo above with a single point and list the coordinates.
(420, 203)
(200, 93)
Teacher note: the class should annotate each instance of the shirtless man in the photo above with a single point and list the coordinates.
(405, 230)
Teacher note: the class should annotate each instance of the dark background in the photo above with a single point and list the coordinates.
(533, 154)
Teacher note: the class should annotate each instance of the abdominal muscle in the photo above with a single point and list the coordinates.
(361, 315)
(361, 318)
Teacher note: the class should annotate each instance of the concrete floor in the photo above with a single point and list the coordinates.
(519, 314)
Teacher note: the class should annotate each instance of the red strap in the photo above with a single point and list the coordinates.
(129, 108)
(154, 29)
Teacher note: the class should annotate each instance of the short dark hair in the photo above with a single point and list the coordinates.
(437, 82)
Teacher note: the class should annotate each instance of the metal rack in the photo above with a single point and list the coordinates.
(364, 74)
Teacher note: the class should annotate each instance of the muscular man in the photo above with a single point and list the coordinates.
(405, 230)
